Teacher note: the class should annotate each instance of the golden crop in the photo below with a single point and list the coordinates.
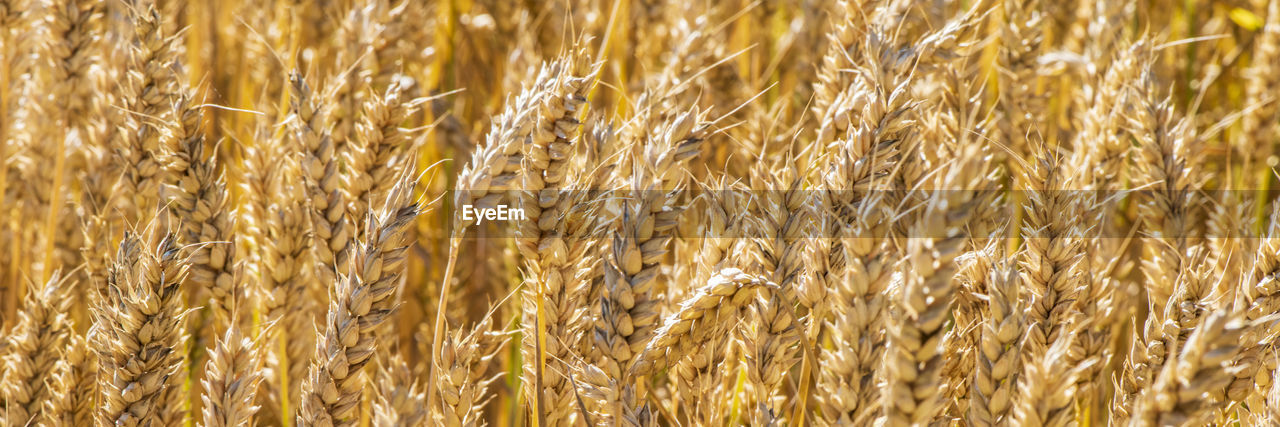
(677, 213)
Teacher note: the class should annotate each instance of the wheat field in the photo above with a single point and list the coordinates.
(639, 212)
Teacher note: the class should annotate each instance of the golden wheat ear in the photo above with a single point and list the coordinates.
(140, 338)
(32, 360)
(232, 375)
(360, 301)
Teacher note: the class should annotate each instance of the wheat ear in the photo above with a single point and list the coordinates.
(139, 324)
(709, 311)
(331, 227)
(151, 88)
(371, 158)
(400, 400)
(232, 376)
(999, 350)
(76, 383)
(29, 362)
(464, 379)
(359, 302)
(1178, 394)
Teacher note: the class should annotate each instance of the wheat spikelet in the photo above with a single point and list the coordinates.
(769, 355)
(960, 353)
